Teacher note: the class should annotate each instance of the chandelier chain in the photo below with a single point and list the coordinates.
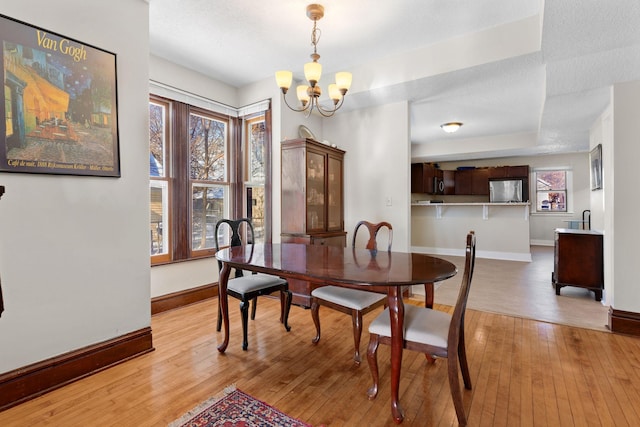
(315, 38)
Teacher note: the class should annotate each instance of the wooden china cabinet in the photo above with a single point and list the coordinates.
(312, 200)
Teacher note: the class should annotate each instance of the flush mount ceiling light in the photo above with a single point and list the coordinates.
(309, 94)
(451, 127)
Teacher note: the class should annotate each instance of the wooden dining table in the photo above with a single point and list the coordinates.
(384, 272)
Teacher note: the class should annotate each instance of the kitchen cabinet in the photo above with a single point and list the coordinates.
(426, 178)
(518, 171)
(449, 180)
(521, 171)
(578, 260)
(312, 200)
(463, 182)
(480, 182)
(472, 182)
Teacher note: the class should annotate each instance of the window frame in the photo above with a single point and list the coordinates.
(166, 180)
(180, 183)
(568, 190)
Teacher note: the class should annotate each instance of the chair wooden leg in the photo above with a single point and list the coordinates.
(372, 358)
(219, 324)
(254, 305)
(462, 357)
(285, 307)
(244, 311)
(315, 315)
(356, 319)
(454, 385)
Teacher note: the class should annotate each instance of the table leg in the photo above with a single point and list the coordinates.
(396, 313)
(224, 304)
(428, 295)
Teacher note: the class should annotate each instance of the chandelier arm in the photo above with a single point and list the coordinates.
(297, 110)
(328, 113)
(325, 113)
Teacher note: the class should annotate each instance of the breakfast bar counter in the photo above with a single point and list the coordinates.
(503, 228)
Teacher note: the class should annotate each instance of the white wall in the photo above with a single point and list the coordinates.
(74, 253)
(621, 210)
(377, 145)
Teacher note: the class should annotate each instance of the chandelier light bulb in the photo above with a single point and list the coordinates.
(343, 80)
(334, 93)
(312, 72)
(284, 79)
(303, 93)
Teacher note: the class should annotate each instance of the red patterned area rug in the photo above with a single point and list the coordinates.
(236, 409)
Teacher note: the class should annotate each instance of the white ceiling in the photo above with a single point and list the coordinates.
(506, 68)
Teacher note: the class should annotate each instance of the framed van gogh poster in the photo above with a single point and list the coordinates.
(60, 104)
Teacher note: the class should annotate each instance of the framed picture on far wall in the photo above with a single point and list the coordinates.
(59, 114)
(595, 160)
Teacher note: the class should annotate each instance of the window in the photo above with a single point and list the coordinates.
(551, 190)
(199, 175)
(209, 177)
(159, 182)
(254, 180)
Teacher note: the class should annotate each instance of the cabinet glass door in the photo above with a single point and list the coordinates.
(334, 192)
(315, 191)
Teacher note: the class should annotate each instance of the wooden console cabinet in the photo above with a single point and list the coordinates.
(312, 201)
(578, 260)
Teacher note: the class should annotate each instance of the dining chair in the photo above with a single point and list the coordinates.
(433, 332)
(354, 302)
(247, 288)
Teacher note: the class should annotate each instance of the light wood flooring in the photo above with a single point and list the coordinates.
(524, 289)
(524, 372)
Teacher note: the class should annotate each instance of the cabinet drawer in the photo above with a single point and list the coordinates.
(329, 241)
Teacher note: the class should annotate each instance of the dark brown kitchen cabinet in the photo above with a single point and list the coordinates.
(480, 182)
(449, 180)
(472, 182)
(521, 171)
(463, 182)
(578, 260)
(518, 171)
(426, 178)
(312, 200)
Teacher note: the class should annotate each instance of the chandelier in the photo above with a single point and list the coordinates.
(309, 94)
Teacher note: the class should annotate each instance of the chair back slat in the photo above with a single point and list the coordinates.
(372, 243)
(235, 227)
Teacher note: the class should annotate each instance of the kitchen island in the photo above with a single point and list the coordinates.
(502, 229)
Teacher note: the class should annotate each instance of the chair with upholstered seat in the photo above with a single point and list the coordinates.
(433, 332)
(247, 288)
(354, 302)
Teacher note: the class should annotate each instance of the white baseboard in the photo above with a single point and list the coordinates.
(506, 256)
(542, 243)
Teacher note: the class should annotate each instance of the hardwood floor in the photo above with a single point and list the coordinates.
(524, 289)
(524, 372)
